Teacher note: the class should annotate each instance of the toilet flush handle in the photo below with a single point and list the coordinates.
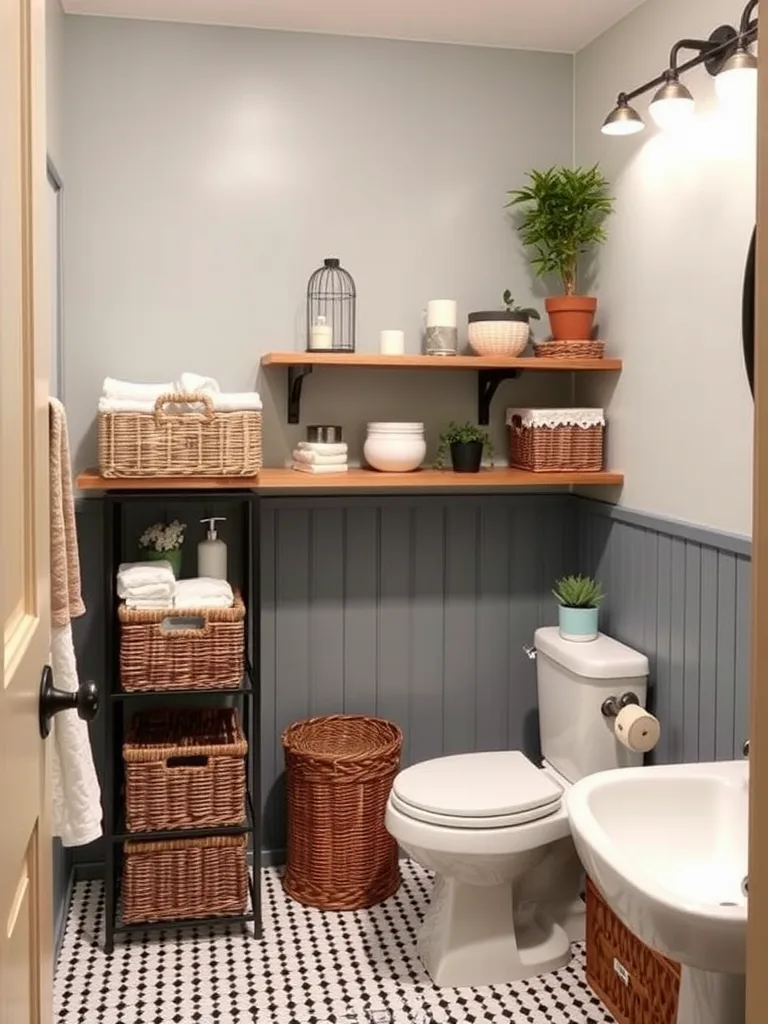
(530, 650)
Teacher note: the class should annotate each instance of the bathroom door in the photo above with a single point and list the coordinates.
(757, 930)
(25, 842)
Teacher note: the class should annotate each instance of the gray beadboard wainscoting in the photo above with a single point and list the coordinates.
(417, 607)
(681, 594)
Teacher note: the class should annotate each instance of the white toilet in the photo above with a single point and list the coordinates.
(506, 902)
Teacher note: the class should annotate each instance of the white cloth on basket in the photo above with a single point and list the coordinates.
(318, 459)
(149, 602)
(131, 575)
(202, 587)
(189, 382)
(127, 389)
(192, 603)
(235, 402)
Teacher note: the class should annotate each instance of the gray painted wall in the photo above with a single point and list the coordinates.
(681, 595)
(210, 170)
(411, 608)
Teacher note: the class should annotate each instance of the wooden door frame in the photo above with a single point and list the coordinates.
(757, 928)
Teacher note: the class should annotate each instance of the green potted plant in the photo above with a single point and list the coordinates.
(163, 542)
(501, 332)
(465, 443)
(579, 599)
(563, 213)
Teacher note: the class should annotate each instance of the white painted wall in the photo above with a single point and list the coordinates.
(210, 170)
(670, 277)
(54, 68)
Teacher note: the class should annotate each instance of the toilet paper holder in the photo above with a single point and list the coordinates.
(611, 706)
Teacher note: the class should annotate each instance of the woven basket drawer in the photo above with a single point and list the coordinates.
(184, 768)
(210, 655)
(554, 441)
(181, 442)
(638, 985)
(185, 878)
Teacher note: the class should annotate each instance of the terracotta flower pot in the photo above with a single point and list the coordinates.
(571, 317)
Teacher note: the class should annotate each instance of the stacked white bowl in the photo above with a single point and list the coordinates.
(395, 447)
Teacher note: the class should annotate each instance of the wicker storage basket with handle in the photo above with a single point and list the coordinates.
(184, 878)
(184, 768)
(638, 985)
(339, 773)
(175, 649)
(184, 436)
(556, 440)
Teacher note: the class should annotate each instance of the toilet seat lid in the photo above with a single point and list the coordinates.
(501, 785)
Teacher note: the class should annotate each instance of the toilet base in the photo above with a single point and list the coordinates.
(475, 935)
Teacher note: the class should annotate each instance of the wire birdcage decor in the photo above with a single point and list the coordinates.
(331, 309)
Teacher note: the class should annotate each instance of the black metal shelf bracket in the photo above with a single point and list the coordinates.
(296, 375)
(487, 385)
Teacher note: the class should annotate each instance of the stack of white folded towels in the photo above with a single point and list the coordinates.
(125, 396)
(153, 585)
(320, 457)
(203, 592)
(146, 584)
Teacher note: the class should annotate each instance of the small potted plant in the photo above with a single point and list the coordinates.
(163, 542)
(579, 599)
(501, 332)
(465, 443)
(563, 213)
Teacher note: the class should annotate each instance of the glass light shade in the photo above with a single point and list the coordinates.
(672, 106)
(623, 120)
(736, 83)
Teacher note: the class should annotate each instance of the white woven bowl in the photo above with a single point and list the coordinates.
(499, 337)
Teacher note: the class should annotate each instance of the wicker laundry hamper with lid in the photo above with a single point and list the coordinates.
(340, 769)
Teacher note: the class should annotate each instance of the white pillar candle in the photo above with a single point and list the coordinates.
(392, 343)
(441, 313)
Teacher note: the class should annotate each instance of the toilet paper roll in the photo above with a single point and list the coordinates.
(637, 729)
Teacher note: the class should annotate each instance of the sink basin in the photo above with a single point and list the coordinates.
(667, 847)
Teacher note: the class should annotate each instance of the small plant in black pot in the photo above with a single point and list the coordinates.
(501, 332)
(579, 598)
(465, 443)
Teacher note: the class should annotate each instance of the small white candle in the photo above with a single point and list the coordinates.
(392, 343)
(441, 313)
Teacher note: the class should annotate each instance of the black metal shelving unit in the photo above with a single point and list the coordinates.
(118, 707)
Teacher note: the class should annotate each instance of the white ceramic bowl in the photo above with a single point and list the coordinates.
(395, 447)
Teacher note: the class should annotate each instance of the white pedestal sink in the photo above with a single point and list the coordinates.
(667, 847)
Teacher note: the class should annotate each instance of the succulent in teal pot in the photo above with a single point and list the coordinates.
(579, 599)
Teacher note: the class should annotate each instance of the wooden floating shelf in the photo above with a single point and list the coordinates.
(490, 371)
(271, 480)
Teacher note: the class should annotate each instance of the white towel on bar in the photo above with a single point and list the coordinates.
(197, 382)
(322, 447)
(143, 574)
(192, 602)
(235, 402)
(76, 793)
(113, 388)
(204, 586)
(306, 467)
(318, 459)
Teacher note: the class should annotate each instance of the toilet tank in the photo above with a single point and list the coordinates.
(573, 680)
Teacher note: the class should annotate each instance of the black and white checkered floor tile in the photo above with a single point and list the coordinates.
(312, 967)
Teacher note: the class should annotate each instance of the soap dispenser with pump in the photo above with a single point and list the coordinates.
(212, 552)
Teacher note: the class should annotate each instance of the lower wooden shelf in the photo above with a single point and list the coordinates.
(428, 479)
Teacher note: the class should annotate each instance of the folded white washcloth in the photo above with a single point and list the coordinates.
(308, 467)
(113, 388)
(192, 602)
(246, 400)
(197, 382)
(162, 592)
(138, 603)
(322, 447)
(301, 455)
(142, 574)
(204, 586)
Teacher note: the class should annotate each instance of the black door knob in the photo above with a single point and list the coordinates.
(85, 701)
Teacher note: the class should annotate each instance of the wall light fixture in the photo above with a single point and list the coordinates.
(726, 55)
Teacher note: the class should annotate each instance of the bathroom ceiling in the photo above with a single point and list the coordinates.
(563, 25)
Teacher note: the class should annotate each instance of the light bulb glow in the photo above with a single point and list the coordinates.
(672, 106)
(622, 120)
(736, 84)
